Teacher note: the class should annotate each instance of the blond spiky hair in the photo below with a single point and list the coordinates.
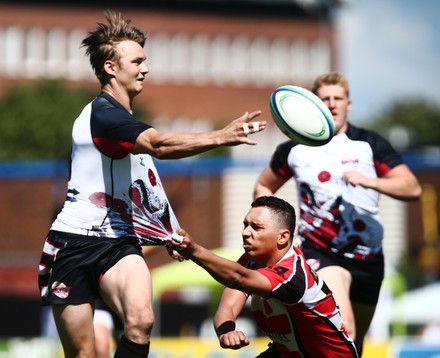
(101, 43)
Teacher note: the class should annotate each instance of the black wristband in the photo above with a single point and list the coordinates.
(225, 327)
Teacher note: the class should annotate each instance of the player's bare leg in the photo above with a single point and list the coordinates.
(75, 328)
(338, 280)
(126, 288)
(103, 338)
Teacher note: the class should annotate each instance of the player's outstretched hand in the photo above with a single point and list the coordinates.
(238, 130)
(233, 340)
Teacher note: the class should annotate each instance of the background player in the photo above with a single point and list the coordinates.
(338, 188)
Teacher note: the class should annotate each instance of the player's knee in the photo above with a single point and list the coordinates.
(139, 326)
(146, 322)
(350, 327)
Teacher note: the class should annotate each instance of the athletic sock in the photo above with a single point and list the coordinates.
(129, 349)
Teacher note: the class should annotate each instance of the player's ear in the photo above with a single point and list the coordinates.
(109, 67)
(284, 237)
(349, 105)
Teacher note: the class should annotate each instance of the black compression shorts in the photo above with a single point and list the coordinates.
(72, 274)
(366, 275)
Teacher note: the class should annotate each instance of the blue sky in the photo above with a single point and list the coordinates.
(390, 49)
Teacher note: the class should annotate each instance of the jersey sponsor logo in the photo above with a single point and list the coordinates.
(350, 163)
(60, 290)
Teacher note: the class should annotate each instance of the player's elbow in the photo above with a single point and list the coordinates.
(162, 153)
(154, 143)
(415, 192)
(411, 194)
(155, 152)
(261, 190)
(236, 281)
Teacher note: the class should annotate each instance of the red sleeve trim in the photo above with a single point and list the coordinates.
(113, 148)
(381, 168)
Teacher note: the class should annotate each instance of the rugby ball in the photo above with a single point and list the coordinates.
(301, 115)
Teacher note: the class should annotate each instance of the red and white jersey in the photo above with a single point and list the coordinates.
(300, 316)
(334, 215)
(111, 191)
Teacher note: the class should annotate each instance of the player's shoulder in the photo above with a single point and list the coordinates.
(288, 144)
(286, 147)
(105, 102)
(358, 133)
(107, 111)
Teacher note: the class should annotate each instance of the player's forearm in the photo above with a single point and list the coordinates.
(175, 145)
(399, 188)
(227, 272)
(399, 183)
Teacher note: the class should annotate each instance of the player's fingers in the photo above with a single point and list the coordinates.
(246, 128)
(236, 339)
(177, 238)
(252, 115)
(247, 117)
(175, 255)
(253, 127)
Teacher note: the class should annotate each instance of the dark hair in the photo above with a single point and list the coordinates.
(100, 43)
(284, 212)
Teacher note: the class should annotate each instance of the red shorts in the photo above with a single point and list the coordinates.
(71, 265)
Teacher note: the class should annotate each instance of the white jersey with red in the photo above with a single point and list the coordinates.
(111, 191)
(300, 316)
(336, 216)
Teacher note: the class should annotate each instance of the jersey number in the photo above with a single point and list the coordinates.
(279, 270)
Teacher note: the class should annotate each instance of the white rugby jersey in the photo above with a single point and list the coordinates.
(334, 215)
(111, 191)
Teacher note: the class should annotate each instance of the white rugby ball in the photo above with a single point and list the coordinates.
(301, 115)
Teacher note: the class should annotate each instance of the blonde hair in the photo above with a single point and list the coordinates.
(101, 43)
(331, 78)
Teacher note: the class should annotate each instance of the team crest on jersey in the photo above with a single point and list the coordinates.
(60, 290)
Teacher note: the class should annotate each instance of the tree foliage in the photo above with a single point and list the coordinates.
(36, 120)
(420, 118)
